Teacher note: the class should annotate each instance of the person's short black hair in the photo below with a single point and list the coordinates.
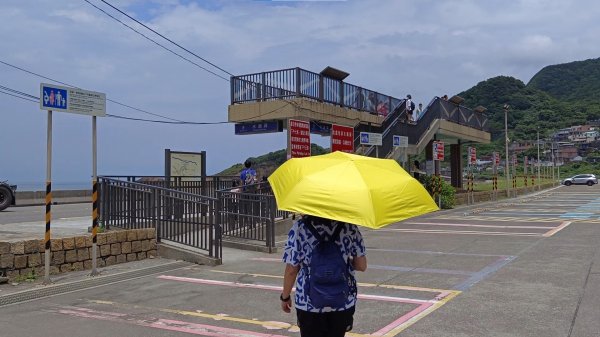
(408, 96)
(247, 163)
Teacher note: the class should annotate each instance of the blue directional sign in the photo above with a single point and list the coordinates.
(322, 129)
(396, 141)
(258, 127)
(364, 138)
(54, 98)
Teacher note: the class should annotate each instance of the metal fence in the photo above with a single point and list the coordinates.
(297, 82)
(181, 217)
(189, 184)
(246, 213)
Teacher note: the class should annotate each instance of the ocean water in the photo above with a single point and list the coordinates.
(56, 186)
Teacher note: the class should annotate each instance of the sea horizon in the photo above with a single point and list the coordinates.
(28, 186)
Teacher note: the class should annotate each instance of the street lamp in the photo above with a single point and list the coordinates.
(506, 107)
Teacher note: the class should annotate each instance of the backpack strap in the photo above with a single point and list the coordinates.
(307, 222)
(334, 236)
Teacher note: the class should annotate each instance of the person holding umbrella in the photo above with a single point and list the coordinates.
(336, 192)
(321, 256)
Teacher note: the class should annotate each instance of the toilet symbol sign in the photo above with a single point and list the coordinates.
(74, 100)
(54, 98)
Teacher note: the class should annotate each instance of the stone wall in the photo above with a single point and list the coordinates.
(26, 258)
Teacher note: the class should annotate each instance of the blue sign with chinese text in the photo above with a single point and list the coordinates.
(258, 127)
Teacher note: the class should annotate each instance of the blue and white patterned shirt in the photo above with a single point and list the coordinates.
(298, 251)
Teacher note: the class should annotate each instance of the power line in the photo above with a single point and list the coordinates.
(166, 38)
(74, 86)
(21, 97)
(25, 96)
(157, 43)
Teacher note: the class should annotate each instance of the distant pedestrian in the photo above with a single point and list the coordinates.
(445, 97)
(248, 175)
(321, 256)
(410, 107)
(416, 169)
(418, 112)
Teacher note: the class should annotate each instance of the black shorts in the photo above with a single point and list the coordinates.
(327, 324)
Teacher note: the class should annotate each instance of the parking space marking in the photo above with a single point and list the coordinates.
(476, 225)
(163, 324)
(424, 307)
(441, 231)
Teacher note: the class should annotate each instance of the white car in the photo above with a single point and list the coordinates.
(581, 179)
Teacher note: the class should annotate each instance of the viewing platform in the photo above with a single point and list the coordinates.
(302, 94)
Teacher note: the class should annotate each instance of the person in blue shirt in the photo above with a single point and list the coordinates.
(314, 321)
(248, 174)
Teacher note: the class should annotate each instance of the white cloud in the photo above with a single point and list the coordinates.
(425, 47)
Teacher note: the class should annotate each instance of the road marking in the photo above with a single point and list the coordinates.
(483, 273)
(438, 231)
(424, 307)
(557, 229)
(482, 226)
(279, 288)
(442, 292)
(164, 324)
(394, 268)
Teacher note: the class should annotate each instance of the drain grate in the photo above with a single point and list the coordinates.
(57, 289)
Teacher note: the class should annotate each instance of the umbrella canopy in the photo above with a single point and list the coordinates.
(356, 189)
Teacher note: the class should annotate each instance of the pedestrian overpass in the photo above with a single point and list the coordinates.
(324, 98)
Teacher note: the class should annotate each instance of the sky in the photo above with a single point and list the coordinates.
(425, 48)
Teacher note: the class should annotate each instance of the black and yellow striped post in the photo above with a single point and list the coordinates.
(94, 227)
(48, 223)
(525, 179)
(532, 181)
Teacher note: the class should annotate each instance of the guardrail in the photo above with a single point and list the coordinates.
(181, 217)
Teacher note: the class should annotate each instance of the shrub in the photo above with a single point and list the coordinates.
(447, 194)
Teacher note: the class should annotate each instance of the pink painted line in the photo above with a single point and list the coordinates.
(278, 288)
(402, 319)
(220, 283)
(439, 231)
(481, 226)
(164, 324)
(557, 229)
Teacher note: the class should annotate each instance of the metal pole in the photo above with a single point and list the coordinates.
(553, 163)
(94, 200)
(48, 199)
(538, 159)
(506, 173)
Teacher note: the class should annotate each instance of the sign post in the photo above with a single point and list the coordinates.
(83, 102)
(472, 152)
(438, 155)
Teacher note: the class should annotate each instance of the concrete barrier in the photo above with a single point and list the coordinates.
(35, 198)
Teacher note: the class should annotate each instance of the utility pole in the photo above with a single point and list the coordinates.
(506, 172)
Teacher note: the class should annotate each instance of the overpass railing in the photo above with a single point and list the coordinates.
(296, 82)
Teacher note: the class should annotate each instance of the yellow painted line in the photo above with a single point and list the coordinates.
(264, 324)
(557, 229)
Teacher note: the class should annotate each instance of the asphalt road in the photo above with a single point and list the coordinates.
(524, 267)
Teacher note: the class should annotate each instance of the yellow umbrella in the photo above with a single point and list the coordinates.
(356, 189)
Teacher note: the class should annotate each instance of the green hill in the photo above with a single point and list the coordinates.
(267, 163)
(557, 96)
(575, 81)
